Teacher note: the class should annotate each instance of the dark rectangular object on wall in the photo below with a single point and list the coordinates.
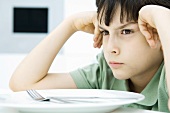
(30, 20)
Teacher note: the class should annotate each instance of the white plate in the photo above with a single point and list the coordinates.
(22, 102)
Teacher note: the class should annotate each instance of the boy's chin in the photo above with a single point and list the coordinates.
(121, 77)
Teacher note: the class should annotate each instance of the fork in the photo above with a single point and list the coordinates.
(38, 97)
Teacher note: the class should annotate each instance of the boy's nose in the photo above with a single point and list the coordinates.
(113, 46)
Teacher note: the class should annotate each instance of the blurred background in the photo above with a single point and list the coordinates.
(24, 23)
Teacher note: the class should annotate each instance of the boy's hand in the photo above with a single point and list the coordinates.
(147, 25)
(97, 38)
(150, 17)
(87, 22)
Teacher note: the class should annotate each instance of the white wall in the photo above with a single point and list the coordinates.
(79, 43)
(13, 42)
(78, 50)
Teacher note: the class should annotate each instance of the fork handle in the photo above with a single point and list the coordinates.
(59, 101)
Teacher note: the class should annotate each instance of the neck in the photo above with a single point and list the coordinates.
(138, 83)
(137, 86)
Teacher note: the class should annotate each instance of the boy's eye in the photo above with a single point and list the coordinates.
(104, 33)
(126, 31)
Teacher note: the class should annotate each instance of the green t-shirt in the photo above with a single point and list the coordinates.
(100, 76)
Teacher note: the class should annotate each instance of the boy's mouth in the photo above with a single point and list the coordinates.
(114, 64)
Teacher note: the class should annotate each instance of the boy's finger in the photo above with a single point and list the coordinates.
(144, 29)
(100, 44)
(99, 38)
(96, 35)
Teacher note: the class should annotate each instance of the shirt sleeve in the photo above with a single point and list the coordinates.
(94, 76)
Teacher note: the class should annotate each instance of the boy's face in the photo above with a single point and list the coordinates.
(126, 50)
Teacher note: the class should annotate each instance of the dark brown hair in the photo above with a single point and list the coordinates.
(129, 9)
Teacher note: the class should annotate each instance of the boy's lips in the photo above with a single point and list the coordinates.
(114, 64)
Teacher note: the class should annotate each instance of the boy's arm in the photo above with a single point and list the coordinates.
(32, 73)
(158, 17)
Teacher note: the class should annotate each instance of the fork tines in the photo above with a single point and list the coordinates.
(35, 95)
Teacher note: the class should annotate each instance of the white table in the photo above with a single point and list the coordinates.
(120, 110)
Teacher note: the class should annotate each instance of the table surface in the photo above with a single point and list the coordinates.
(119, 110)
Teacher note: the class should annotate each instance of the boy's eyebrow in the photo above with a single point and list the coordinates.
(120, 27)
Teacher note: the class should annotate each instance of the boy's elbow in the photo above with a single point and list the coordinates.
(16, 85)
(13, 86)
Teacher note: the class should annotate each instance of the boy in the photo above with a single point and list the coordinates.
(135, 38)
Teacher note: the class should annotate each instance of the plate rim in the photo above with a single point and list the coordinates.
(53, 106)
